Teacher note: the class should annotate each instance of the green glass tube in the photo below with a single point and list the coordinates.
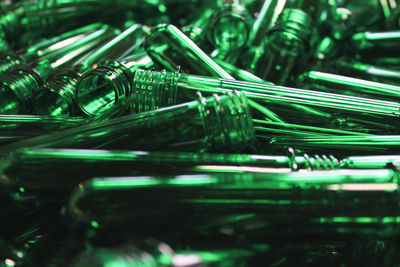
(40, 17)
(44, 48)
(238, 73)
(375, 73)
(19, 83)
(371, 162)
(19, 127)
(228, 29)
(379, 14)
(33, 169)
(50, 45)
(196, 30)
(258, 34)
(57, 96)
(344, 145)
(171, 48)
(295, 106)
(380, 43)
(287, 43)
(109, 85)
(335, 83)
(322, 203)
(216, 123)
(156, 253)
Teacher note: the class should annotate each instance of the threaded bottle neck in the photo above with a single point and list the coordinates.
(18, 85)
(294, 21)
(57, 96)
(227, 121)
(101, 88)
(153, 89)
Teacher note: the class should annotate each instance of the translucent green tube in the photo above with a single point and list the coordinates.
(367, 71)
(216, 123)
(109, 85)
(19, 127)
(171, 48)
(371, 162)
(154, 253)
(228, 29)
(57, 96)
(287, 43)
(344, 145)
(258, 33)
(324, 203)
(238, 73)
(376, 41)
(19, 83)
(296, 106)
(41, 17)
(349, 85)
(33, 169)
(46, 47)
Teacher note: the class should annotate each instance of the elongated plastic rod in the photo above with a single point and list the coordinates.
(348, 145)
(33, 169)
(214, 123)
(348, 85)
(316, 202)
(284, 99)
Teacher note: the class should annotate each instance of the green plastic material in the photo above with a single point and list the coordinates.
(338, 202)
(215, 123)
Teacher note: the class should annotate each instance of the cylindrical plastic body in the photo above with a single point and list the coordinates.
(171, 48)
(228, 30)
(343, 145)
(296, 106)
(19, 127)
(238, 73)
(20, 83)
(48, 46)
(321, 204)
(33, 169)
(45, 47)
(216, 123)
(57, 96)
(109, 85)
(335, 83)
(287, 44)
(376, 44)
(155, 253)
(371, 162)
(375, 73)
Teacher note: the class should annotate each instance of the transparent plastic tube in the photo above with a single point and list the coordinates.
(57, 96)
(19, 127)
(34, 168)
(228, 29)
(216, 123)
(155, 253)
(44, 48)
(109, 85)
(324, 203)
(171, 48)
(343, 145)
(295, 106)
(287, 44)
(349, 85)
(19, 83)
(367, 71)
